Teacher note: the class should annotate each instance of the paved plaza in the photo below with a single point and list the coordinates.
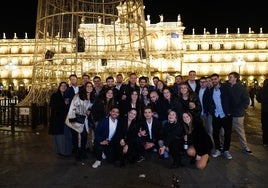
(27, 160)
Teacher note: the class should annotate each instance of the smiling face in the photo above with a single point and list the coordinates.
(114, 113)
(167, 94)
(132, 114)
(89, 87)
(186, 118)
(109, 94)
(172, 117)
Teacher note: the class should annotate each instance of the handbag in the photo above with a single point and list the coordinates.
(79, 118)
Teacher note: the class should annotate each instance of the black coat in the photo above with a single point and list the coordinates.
(157, 131)
(173, 132)
(58, 113)
(200, 139)
(226, 100)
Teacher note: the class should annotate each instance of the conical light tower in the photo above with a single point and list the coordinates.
(98, 37)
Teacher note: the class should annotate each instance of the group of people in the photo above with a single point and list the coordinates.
(123, 121)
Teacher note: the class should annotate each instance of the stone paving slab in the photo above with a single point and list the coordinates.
(27, 160)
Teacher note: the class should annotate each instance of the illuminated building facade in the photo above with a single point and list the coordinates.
(165, 51)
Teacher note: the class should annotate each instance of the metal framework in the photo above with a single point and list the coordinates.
(86, 36)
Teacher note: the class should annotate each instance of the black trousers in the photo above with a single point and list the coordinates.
(217, 124)
(110, 150)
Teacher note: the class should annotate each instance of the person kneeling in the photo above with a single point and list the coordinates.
(199, 142)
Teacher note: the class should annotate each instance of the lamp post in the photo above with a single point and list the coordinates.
(239, 62)
(10, 67)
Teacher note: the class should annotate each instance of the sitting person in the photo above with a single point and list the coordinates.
(127, 138)
(198, 141)
(104, 141)
(150, 133)
(173, 138)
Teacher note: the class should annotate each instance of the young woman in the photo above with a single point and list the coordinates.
(173, 138)
(144, 97)
(61, 135)
(198, 141)
(81, 104)
(102, 106)
(189, 101)
(128, 104)
(171, 103)
(127, 138)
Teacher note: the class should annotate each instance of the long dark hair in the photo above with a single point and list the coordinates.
(83, 92)
(188, 128)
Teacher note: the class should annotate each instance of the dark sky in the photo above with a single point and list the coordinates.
(20, 16)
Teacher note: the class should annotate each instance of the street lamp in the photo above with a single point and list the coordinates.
(10, 67)
(239, 62)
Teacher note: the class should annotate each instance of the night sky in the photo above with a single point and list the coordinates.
(20, 16)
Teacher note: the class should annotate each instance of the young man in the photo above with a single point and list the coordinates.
(220, 106)
(104, 141)
(241, 102)
(150, 136)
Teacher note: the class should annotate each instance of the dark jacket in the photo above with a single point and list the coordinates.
(240, 100)
(173, 132)
(200, 139)
(58, 113)
(102, 131)
(128, 133)
(157, 131)
(226, 100)
(173, 104)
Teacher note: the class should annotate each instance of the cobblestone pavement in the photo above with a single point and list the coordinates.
(27, 160)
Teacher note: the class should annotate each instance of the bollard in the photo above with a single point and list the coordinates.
(34, 116)
(12, 121)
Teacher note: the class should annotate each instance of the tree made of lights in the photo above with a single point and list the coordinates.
(99, 37)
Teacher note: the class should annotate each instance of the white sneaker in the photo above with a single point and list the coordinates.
(227, 155)
(216, 153)
(103, 156)
(96, 164)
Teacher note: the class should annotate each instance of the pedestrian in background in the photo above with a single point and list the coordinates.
(262, 97)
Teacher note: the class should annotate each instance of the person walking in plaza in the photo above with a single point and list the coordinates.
(262, 97)
(105, 142)
(198, 141)
(252, 93)
(220, 106)
(173, 137)
(62, 139)
(240, 104)
(80, 107)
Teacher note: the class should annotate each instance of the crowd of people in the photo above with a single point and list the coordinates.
(124, 121)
